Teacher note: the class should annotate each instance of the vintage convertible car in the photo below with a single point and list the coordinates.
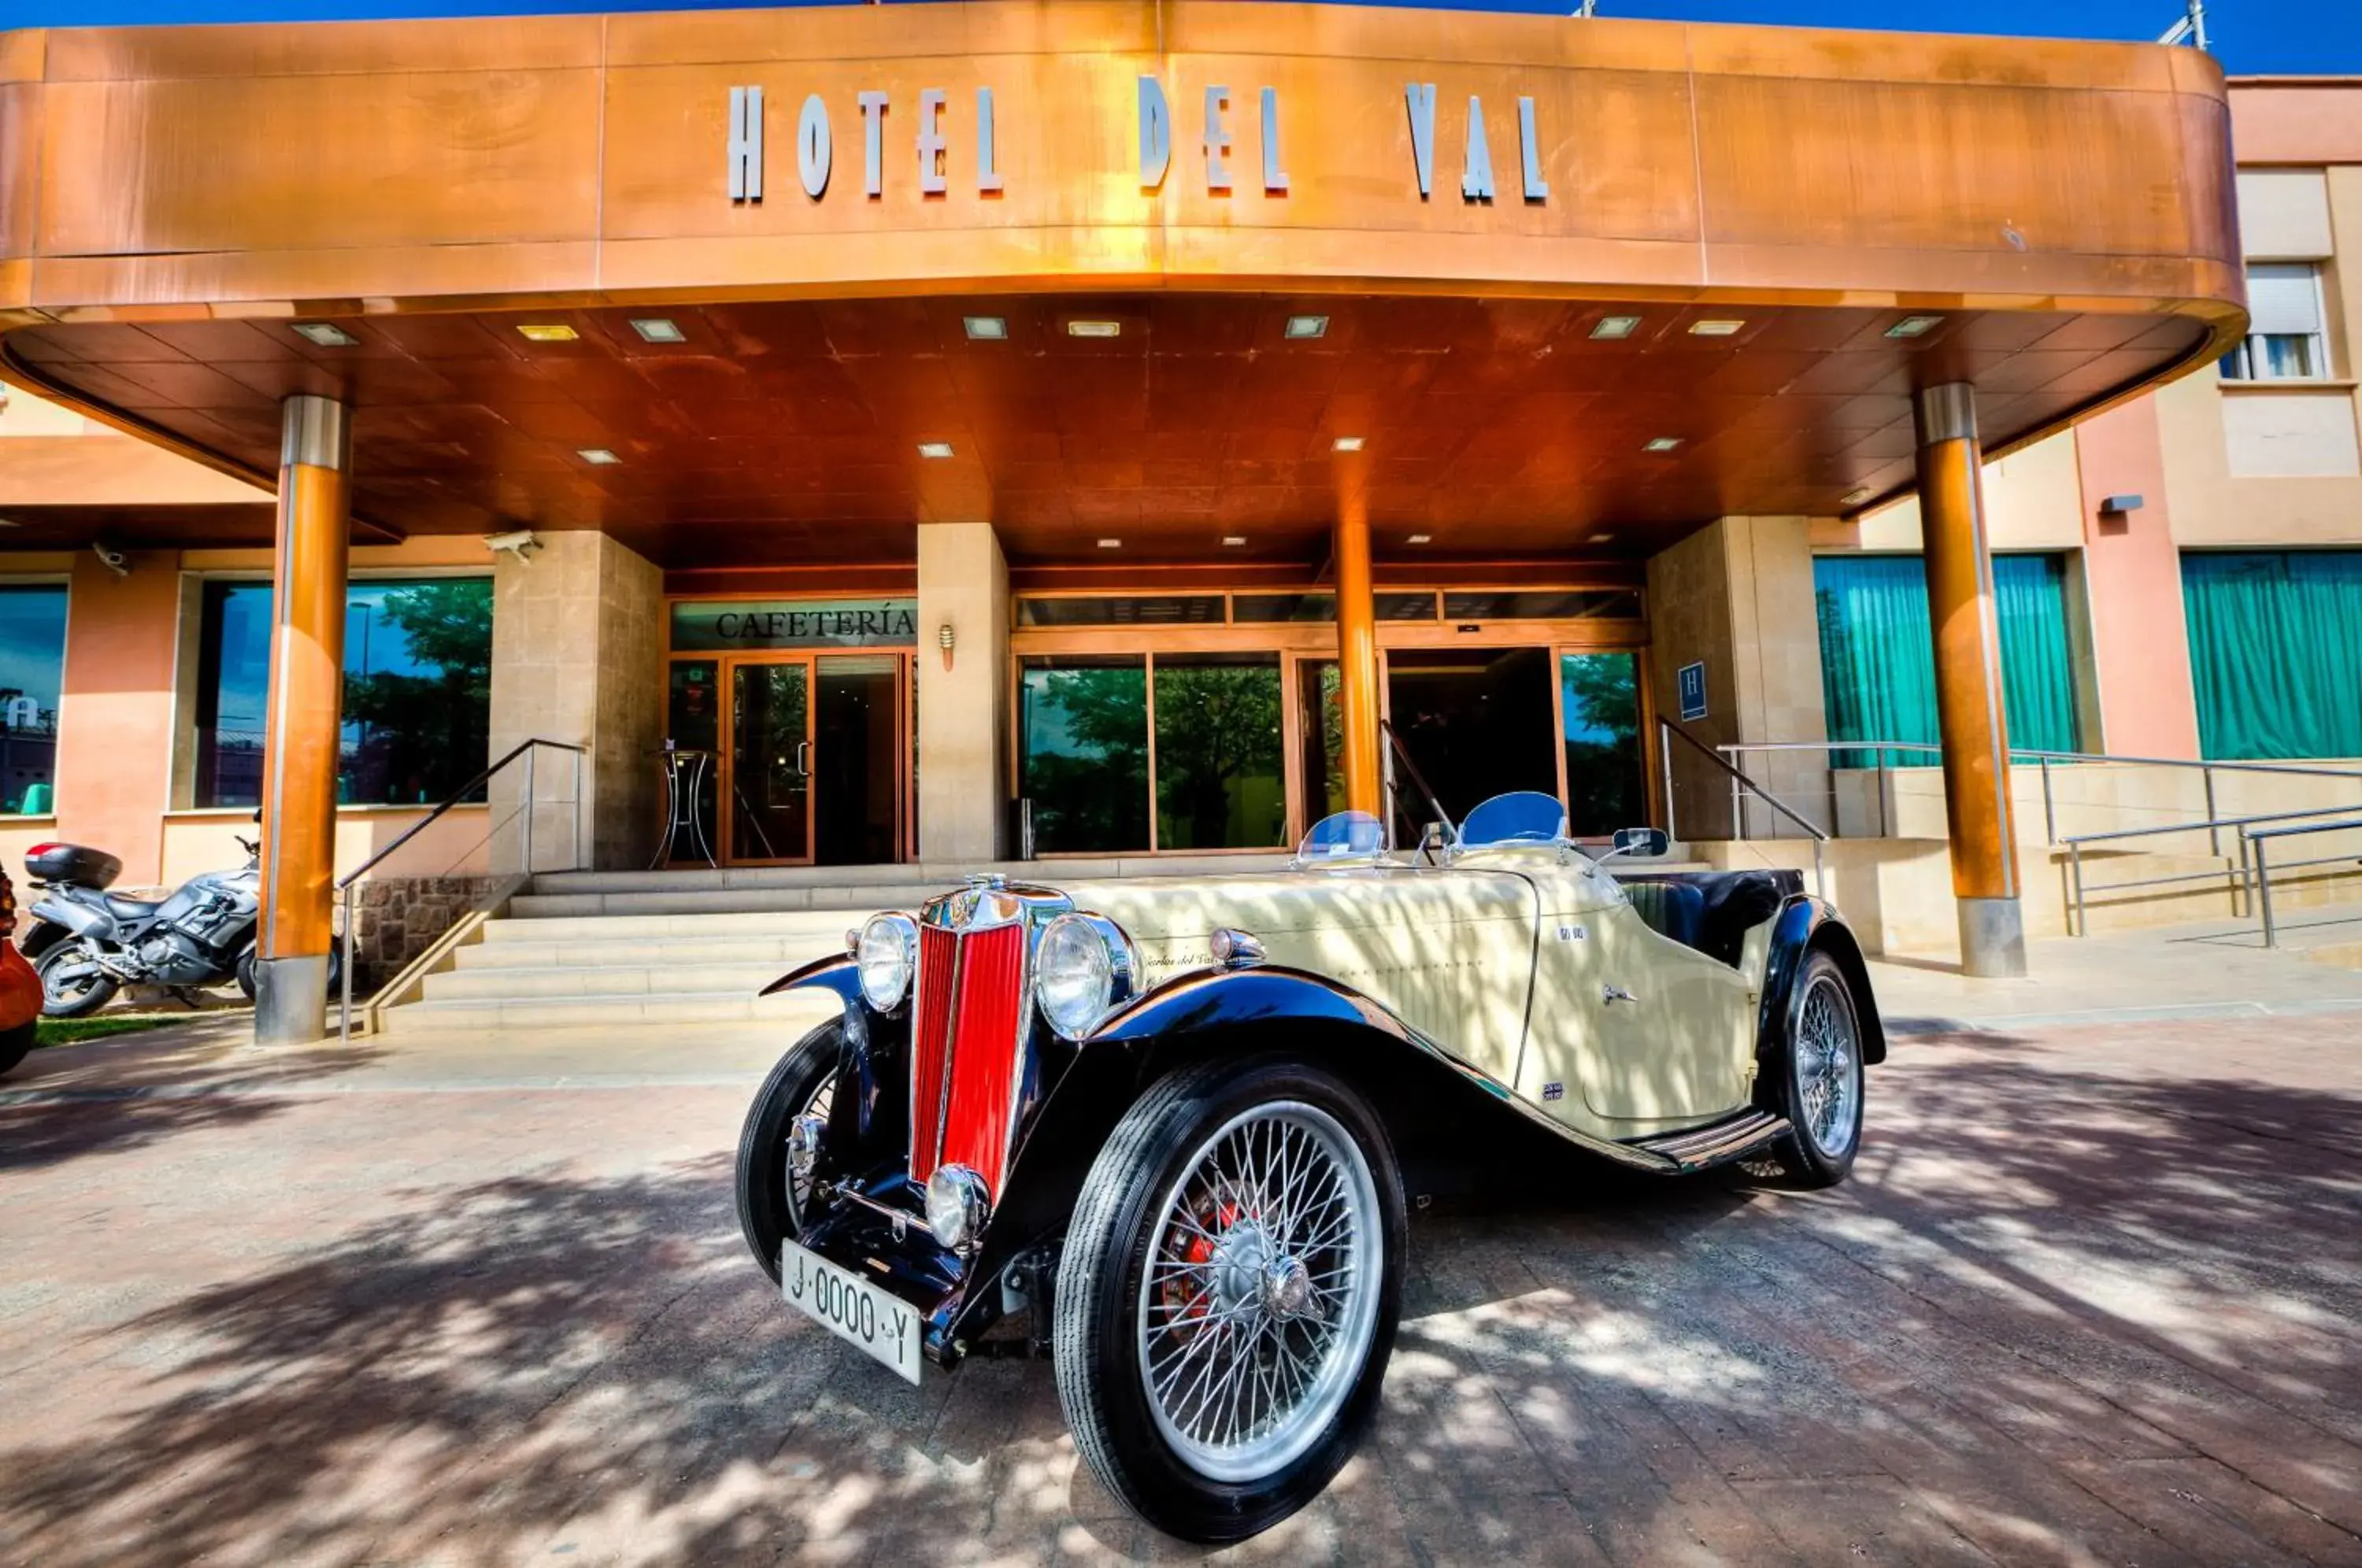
(1164, 1125)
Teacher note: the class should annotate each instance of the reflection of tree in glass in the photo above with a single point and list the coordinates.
(1218, 735)
(427, 732)
(1086, 757)
(1602, 698)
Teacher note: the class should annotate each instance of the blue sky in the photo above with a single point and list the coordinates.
(2250, 35)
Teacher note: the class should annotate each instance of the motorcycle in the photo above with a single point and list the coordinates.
(87, 943)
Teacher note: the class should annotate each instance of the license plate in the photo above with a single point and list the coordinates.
(852, 1308)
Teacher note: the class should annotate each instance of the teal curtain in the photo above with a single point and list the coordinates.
(1878, 654)
(2276, 651)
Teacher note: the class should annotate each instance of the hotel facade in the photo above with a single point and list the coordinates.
(986, 431)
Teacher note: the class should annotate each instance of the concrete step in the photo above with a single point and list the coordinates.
(757, 924)
(576, 982)
(723, 901)
(937, 875)
(624, 951)
(656, 1008)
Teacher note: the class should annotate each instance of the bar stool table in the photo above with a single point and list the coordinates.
(685, 769)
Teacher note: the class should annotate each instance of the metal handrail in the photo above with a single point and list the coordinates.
(2263, 869)
(1668, 730)
(2207, 767)
(2211, 826)
(344, 887)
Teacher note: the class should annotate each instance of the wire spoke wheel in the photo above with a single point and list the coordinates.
(1828, 1068)
(1260, 1294)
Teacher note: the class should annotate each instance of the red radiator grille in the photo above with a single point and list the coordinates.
(983, 1074)
(931, 1044)
(973, 1036)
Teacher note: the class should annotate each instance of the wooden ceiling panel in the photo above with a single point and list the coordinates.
(791, 430)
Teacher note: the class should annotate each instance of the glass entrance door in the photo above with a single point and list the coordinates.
(857, 746)
(767, 778)
(1478, 723)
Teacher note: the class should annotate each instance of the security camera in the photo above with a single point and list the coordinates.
(114, 560)
(518, 542)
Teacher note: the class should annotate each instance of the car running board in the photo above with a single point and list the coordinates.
(1718, 1143)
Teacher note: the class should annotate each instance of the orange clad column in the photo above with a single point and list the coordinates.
(1357, 647)
(1968, 682)
(300, 739)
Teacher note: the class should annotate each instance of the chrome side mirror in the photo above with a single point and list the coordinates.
(1643, 841)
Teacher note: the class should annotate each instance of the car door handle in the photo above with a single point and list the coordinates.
(1615, 994)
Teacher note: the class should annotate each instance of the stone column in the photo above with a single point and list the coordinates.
(299, 726)
(1737, 597)
(963, 719)
(1974, 728)
(578, 643)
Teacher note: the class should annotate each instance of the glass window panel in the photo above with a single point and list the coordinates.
(1551, 605)
(1268, 608)
(2276, 652)
(1321, 715)
(418, 689)
(32, 668)
(417, 693)
(233, 685)
(1220, 781)
(1081, 737)
(1419, 607)
(1599, 693)
(1164, 610)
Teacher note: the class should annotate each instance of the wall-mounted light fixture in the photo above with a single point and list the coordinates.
(944, 638)
(2120, 504)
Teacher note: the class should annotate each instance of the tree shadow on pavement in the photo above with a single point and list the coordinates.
(112, 1107)
(2057, 1316)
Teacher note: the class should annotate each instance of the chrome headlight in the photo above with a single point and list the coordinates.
(1084, 967)
(887, 950)
(957, 1205)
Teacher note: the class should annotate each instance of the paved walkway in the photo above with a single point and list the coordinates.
(2092, 1297)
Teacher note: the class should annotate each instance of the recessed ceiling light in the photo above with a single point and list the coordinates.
(934, 449)
(1601, 539)
(597, 456)
(1110, 544)
(1308, 326)
(655, 329)
(1715, 328)
(1234, 538)
(1914, 326)
(985, 329)
(1348, 443)
(1614, 327)
(548, 332)
(1421, 539)
(326, 335)
(1854, 497)
(1661, 444)
(1094, 329)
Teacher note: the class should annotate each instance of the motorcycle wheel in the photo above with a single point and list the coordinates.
(72, 985)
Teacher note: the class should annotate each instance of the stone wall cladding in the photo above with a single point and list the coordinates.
(395, 919)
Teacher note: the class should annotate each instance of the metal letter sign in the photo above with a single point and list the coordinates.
(1536, 189)
(1155, 134)
(873, 133)
(1275, 177)
(1691, 681)
(931, 142)
(813, 146)
(987, 175)
(745, 144)
(1218, 139)
(1419, 96)
(1476, 170)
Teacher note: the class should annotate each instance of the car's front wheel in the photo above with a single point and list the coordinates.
(1228, 1295)
(771, 1194)
(1822, 1085)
